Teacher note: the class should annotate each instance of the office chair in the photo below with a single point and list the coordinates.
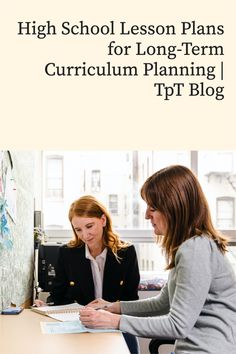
(156, 343)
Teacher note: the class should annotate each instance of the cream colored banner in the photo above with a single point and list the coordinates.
(145, 110)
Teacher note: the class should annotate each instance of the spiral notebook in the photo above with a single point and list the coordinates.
(62, 313)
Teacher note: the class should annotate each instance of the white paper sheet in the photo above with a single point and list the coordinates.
(70, 327)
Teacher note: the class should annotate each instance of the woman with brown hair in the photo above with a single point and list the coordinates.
(197, 307)
(95, 263)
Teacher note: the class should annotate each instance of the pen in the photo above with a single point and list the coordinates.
(102, 308)
(47, 304)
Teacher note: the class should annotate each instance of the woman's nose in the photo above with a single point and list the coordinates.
(85, 234)
(147, 216)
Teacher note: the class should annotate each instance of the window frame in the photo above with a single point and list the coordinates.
(130, 235)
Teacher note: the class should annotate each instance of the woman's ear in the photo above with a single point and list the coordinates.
(104, 220)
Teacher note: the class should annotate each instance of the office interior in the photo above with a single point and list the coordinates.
(37, 188)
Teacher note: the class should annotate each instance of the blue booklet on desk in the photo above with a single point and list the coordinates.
(70, 327)
(12, 310)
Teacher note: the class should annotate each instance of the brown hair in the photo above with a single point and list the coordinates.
(177, 194)
(88, 206)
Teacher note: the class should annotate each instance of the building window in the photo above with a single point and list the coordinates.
(113, 204)
(96, 181)
(54, 177)
(225, 213)
(152, 265)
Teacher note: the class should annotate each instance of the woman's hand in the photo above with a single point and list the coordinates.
(98, 304)
(39, 303)
(99, 318)
(105, 305)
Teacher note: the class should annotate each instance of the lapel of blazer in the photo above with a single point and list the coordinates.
(85, 275)
(112, 272)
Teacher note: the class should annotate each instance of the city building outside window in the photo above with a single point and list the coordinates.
(71, 174)
(113, 204)
(96, 181)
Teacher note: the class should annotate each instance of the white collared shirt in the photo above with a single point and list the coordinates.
(97, 266)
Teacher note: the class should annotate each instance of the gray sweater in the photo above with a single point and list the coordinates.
(197, 306)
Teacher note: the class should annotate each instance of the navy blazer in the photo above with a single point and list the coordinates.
(74, 279)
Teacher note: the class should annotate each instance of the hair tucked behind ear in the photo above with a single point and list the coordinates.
(177, 194)
(90, 207)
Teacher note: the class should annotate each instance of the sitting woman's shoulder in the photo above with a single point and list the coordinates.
(68, 248)
(126, 249)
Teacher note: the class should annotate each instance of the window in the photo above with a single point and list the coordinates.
(123, 173)
(113, 204)
(96, 181)
(225, 213)
(115, 178)
(54, 177)
(217, 175)
(150, 256)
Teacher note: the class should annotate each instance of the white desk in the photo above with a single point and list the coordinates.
(22, 334)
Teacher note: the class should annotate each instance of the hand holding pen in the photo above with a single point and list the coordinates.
(91, 318)
(98, 304)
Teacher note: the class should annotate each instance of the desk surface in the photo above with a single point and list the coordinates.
(22, 334)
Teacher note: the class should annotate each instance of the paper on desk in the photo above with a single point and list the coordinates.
(70, 327)
(65, 317)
